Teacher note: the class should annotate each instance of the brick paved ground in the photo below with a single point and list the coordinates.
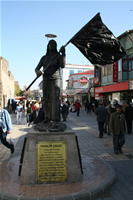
(85, 127)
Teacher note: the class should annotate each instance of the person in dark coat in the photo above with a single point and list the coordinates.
(129, 117)
(118, 129)
(109, 111)
(64, 111)
(101, 118)
(37, 116)
(88, 107)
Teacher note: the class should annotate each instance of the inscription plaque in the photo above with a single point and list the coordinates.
(51, 162)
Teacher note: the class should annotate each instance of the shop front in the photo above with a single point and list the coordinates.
(116, 92)
(82, 95)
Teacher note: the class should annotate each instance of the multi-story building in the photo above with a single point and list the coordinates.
(115, 82)
(78, 85)
(73, 69)
(6, 82)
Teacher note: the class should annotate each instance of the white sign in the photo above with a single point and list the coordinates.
(131, 85)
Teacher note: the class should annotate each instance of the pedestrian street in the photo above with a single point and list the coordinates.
(86, 128)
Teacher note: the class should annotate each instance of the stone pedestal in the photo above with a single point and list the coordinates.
(51, 157)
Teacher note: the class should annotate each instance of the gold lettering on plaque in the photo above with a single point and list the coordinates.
(51, 162)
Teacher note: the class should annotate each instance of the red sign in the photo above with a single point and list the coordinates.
(115, 72)
(113, 88)
(83, 80)
(96, 80)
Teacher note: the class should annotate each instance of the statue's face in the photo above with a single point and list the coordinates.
(52, 45)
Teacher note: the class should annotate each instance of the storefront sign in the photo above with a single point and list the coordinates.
(82, 91)
(51, 162)
(99, 90)
(115, 72)
(70, 91)
(96, 80)
(83, 80)
(131, 85)
(113, 87)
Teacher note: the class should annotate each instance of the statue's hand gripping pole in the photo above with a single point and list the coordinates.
(33, 81)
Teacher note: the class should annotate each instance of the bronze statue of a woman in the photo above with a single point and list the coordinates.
(51, 80)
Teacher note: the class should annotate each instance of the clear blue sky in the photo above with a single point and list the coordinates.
(25, 23)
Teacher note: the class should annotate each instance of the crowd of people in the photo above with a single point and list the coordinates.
(111, 120)
(115, 120)
(66, 107)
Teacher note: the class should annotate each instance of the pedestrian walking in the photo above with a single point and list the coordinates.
(5, 128)
(72, 106)
(88, 107)
(19, 110)
(33, 106)
(37, 115)
(129, 117)
(77, 107)
(64, 111)
(101, 118)
(108, 114)
(28, 112)
(67, 106)
(118, 129)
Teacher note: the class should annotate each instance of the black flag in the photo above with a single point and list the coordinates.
(97, 43)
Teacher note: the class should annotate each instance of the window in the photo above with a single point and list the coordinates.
(124, 65)
(79, 71)
(109, 69)
(104, 71)
(96, 73)
(71, 72)
(119, 66)
(131, 64)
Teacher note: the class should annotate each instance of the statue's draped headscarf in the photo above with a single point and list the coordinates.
(53, 43)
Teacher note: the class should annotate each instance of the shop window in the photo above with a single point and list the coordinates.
(124, 65)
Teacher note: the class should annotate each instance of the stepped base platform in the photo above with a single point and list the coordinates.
(97, 179)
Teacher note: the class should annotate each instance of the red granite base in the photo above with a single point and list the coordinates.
(95, 173)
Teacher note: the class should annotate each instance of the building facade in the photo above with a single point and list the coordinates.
(115, 82)
(72, 69)
(78, 86)
(7, 87)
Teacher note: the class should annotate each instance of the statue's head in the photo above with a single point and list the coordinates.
(52, 46)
